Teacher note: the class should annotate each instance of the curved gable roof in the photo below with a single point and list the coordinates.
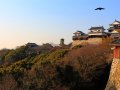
(95, 28)
(116, 22)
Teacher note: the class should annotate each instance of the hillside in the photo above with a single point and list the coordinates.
(34, 67)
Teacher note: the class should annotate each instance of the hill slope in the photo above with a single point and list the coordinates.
(55, 68)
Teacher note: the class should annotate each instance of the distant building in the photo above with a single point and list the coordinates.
(97, 32)
(79, 38)
(96, 35)
(79, 35)
(31, 45)
(62, 42)
(114, 29)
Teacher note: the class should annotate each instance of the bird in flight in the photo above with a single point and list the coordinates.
(99, 8)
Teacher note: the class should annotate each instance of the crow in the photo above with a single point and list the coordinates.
(99, 8)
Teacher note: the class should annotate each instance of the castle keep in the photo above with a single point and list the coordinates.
(96, 34)
(114, 29)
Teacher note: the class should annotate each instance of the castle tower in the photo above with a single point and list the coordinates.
(79, 38)
(114, 29)
(96, 35)
(79, 35)
(62, 42)
(97, 32)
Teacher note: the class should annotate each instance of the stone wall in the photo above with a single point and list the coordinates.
(114, 77)
(94, 40)
(89, 41)
(78, 42)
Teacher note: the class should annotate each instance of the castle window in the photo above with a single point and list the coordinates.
(115, 26)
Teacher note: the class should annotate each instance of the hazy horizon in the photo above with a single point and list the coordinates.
(47, 21)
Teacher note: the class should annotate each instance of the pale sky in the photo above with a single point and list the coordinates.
(47, 21)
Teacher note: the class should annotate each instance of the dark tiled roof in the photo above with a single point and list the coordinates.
(117, 21)
(32, 44)
(117, 41)
(84, 37)
(101, 27)
(79, 32)
(110, 28)
(114, 22)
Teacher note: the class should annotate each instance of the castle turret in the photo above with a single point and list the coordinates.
(79, 35)
(79, 38)
(114, 29)
(96, 35)
(97, 32)
(62, 42)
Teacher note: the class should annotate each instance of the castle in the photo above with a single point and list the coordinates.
(96, 34)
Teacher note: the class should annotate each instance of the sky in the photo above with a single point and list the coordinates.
(47, 21)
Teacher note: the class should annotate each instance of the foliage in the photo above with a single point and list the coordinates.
(81, 68)
(14, 55)
(77, 46)
(57, 55)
